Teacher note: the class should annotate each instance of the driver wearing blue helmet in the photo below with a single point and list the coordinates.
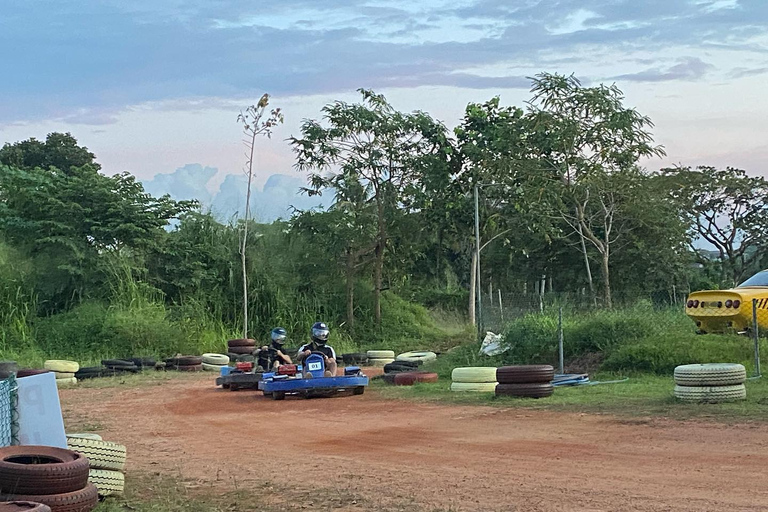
(319, 344)
(270, 357)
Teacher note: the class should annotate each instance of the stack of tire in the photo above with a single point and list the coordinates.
(64, 370)
(53, 477)
(214, 362)
(115, 367)
(106, 462)
(525, 381)
(241, 349)
(184, 363)
(713, 382)
(380, 357)
(422, 356)
(477, 379)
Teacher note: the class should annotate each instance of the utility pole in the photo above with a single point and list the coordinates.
(477, 252)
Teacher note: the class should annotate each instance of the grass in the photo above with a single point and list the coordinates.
(152, 492)
(641, 395)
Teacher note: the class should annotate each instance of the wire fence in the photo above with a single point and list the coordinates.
(9, 433)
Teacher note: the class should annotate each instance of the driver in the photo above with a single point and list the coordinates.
(319, 344)
(270, 357)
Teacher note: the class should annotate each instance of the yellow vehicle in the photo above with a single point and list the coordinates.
(718, 311)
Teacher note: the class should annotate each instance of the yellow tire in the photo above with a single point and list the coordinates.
(58, 365)
(379, 362)
(71, 381)
(417, 356)
(476, 387)
(215, 359)
(109, 483)
(474, 374)
(85, 435)
(213, 367)
(63, 375)
(101, 454)
(381, 354)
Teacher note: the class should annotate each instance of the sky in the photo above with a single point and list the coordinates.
(154, 87)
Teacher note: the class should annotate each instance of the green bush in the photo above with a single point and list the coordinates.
(660, 355)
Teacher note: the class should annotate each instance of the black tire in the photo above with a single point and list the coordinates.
(242, 350)
(89, 372)
(144, 362)
(389, 378)
(82, 500)
(246, 358)
(41, 470)
(116, 363)
(23, 506)
(398, 366)
(278, 395)
(232, 356)
(359, 390)
(354, 358)
(530, 390)
(184, 361)
(525, 374)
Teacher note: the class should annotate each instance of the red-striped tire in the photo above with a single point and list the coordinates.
(411, 378)
(530, 390)
(525, 374)
(23, 506)
(41, 470)
(241, 343)
(190, 367)
(82, 500)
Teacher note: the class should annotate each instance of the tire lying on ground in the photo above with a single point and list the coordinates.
(144, 362)
(85, 435)
(379, 362)
(82, 500)
(215, 359)
(101, 454)
(528, 390)
(525, 374)
(242, 350)
(477, 374)
(58, 365)
(380, 354)
(711, 394)
(475, 387)
(66, 382)
(23, 506)
(28, 372)
(411, 378)
(400, 366)
(212, 367)
(41, 470)
(63, 375)
(423, 356)
(241, 342)
(712, 374)
(190, 367)
(107, 482)
(184, 360)
(89, 372)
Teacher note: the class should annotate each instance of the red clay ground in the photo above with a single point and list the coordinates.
(439, 456)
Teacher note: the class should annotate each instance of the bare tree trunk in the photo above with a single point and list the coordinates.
(586, 264)
(473, 289)
(606, 280)
(379, 264)
(350, 290)
(245, 239)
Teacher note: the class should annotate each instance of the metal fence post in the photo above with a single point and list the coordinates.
(756, 335)
(560, 339)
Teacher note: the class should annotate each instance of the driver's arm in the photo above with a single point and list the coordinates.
(285, 357)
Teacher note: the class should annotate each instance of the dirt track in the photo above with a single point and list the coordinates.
(441, 456)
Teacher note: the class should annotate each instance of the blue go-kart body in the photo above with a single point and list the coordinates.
(278, 386)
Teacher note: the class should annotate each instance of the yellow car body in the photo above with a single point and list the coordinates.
(719, 311)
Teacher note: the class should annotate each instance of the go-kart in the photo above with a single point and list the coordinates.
(312, 382)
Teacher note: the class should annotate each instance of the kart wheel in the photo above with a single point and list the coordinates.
(359, 390)
(278, 395)
(267, 393)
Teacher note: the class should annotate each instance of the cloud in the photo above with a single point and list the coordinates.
(277, 199)
(690, 68)
(745, 72)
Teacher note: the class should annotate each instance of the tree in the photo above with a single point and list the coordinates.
(377, 147)
(579, 136)
(60, 150)
(726, 208)
(254, 124)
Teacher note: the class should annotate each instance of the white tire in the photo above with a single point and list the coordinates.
(380, 354)
(63, 375)
(417, 356)
(379, 362)
(85, 435)
(711, 394)
(713, 374)
(477, 387)
(213, 367)
(476, 374)
(101, 454)
(58, 365)
(108, 483)
(216, 359)
(66, 382)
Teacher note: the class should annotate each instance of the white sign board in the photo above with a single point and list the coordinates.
(40, 421)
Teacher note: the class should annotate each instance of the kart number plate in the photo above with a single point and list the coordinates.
(315, 366)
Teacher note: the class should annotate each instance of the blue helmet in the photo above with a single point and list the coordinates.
(320, 333)
(278, 335)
